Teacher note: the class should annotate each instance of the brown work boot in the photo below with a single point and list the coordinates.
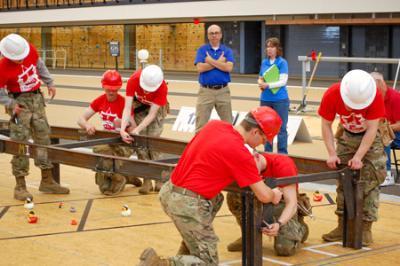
(336, 234)
(183, 250)
(133, 180)
(235, 245)
(158, 186)
(306, 229)
(20, 191)
(146, 187)
(367, 234)
(48, 185)
(117, 185)
(149, 257)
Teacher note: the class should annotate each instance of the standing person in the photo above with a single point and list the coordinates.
(21, 74)
(110, 106)
(146, 98)
(392, 115)
(214, 62)
(360, 106)
(212, 160)
(272, 82)
(289, 228)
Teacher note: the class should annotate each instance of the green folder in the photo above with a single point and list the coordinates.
(272, 75)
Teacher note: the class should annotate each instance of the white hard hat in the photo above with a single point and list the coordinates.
(14, 47)
(358, 89)
(143, 55)
(151, 78)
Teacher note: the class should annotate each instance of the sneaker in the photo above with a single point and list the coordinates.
(389, 180)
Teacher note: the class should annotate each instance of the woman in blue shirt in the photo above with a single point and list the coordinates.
(272, 82)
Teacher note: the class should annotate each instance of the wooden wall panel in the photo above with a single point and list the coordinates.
(178, 42)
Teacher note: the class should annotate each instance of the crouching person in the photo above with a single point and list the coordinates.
(289, 228)
(192, 197)
(110, 106)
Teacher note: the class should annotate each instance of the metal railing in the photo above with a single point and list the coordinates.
(53, 55)
(306, 60)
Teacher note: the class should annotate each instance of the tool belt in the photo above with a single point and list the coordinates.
(15, 95)
(186, 192)
(139, 107)
(386, 131)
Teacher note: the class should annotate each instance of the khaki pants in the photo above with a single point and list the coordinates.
(210, 98)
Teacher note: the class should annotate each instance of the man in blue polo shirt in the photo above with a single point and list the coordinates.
(214, 62)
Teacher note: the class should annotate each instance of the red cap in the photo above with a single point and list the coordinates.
(269, 121)
(111, 80)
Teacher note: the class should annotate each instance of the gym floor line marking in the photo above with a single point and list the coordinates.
(85, 215)
(362, 253)
(276, 261)
(73, 200)
(3, 211)
(98, 229)
(329, 198)
(315, 250)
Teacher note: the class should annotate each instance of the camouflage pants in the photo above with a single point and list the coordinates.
(105, 181)
(373, 172)
(154, 129)
(32, 122)
(207, 100)
(193, 218)
(290, 234)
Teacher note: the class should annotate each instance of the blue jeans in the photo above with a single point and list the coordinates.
(282, 108)
(395, 143)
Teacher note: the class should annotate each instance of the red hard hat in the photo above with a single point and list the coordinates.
(111, 80)
(269, 121)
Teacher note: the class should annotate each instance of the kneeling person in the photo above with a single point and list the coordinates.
(289, 228)
(110, 106)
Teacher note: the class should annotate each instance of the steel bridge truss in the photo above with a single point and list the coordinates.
(311, 170)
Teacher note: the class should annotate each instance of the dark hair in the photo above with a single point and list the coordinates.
(275, 43)
(249, 122)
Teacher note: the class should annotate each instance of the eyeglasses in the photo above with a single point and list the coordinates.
(214, 33)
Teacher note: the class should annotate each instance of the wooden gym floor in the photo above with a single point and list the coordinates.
(103, 237)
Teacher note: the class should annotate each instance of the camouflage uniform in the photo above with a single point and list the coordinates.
(154, 129)
(112, 183)
(290, 234)
(193, 218)
(373, 172)
(32, 121)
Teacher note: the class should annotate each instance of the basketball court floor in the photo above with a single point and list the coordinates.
(101, 236)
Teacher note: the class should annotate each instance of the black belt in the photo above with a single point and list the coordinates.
(355, 134)
(17, 94)
(215, 87)
(186, 192)
(141, 108)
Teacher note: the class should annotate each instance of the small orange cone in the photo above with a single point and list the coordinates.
(74, 222)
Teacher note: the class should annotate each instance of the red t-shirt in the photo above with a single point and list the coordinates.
(20, 77)
(109, 111)
(278, 166)
(392, 105)
(213, 159)
(159, 97)
(354, 120)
